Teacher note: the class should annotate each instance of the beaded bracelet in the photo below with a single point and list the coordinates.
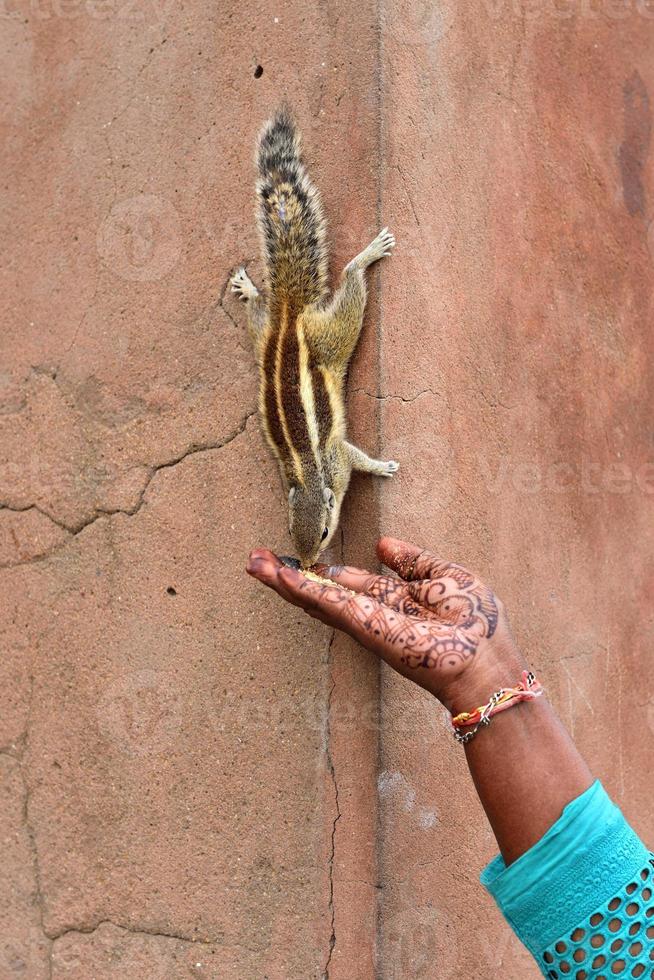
(527, 690)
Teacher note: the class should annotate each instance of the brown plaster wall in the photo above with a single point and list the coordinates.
(517, 327)
(196, 781)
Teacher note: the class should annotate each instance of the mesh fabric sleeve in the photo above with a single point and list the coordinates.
(581, 899)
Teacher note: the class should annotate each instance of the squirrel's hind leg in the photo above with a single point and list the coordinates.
(257, 307)
(366, 464)
(333, 332)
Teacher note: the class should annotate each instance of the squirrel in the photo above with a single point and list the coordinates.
(304, 339)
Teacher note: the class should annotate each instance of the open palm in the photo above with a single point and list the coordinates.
(429, 623)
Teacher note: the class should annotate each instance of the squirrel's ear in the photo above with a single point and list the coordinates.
(328, 497)
(291, 494)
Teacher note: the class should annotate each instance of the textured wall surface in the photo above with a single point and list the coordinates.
(196, 781)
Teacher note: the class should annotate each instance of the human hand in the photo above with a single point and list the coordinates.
(436, 623)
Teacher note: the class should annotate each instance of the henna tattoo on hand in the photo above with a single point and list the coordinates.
(434, 618)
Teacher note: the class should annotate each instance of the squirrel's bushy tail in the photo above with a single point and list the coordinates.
(290, 217)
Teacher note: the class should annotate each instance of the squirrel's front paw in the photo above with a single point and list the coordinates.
(243, 286)
(389, 468)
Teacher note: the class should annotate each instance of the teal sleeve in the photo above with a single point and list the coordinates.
(581, 898)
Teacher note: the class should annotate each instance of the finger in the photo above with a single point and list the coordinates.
(416, 647)
(291, 596)
(393, 592)
(265, 567)
(432, 598)
(376, 626)
(359, 580)
(262, 564)
(356, 579)
(264, 553)
(399, 555)
(429, 597)
(312, 596)
(412, 562)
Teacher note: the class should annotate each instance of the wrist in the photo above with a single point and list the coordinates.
(499, 666)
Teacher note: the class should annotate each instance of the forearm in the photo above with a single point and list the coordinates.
(525, 769)
(569, 859)
(524, 764)
(574, 880)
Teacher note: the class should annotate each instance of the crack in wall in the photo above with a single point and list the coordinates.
(332, 854)
(72, 530)
(17, 509)
(89, 306)
(136, 88)
(29, 826)
(403, 398)
(133, 930)
(16, 751)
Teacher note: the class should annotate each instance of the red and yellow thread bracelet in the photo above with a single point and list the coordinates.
(527, 690)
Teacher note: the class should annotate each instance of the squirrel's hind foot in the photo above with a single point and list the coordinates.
(243, 286)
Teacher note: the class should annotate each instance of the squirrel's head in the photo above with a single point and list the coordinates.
(313, 513)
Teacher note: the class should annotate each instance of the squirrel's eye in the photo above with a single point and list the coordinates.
(325, 533)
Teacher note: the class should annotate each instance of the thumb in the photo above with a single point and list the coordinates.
(399, 555)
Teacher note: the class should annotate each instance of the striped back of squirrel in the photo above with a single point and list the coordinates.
(300, 401)
(301, 405)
